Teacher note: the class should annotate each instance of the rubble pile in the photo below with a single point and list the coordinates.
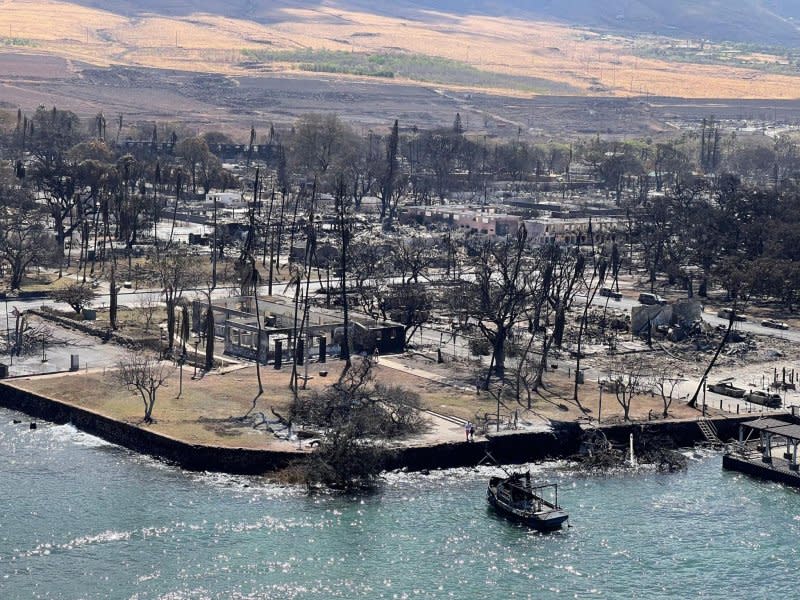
(597, 453)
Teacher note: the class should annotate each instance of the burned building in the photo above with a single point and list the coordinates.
(237, 323)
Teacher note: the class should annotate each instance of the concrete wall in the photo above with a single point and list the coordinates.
(89, 327)
(507, 447)
(188, 456)
(512, 447)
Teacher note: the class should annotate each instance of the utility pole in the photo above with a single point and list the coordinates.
(600, 404)
(12, 341)
(306, 354)
(214, 253)
(181, 360)
(8, 327)
(498, 409)
(704, 397)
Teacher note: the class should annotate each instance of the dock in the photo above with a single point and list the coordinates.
(767, 448)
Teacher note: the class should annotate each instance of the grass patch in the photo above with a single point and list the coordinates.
(767, 59)
(17, 42)
(416, 67)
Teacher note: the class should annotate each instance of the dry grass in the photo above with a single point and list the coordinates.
(553, 402)
(587, 61)
(209, 409)
(132, 322)
(41, 281)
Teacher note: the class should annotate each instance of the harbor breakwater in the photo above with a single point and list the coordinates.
(516, 446)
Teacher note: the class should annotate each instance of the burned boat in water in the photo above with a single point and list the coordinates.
(516, 498)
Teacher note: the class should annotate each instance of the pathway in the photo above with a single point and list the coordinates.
(424, 374)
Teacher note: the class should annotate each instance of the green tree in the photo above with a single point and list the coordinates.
(76, 295)
(176, 271)
(24, 242)
(321, 147)
(501, 293)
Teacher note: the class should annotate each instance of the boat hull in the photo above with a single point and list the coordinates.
(549, 520)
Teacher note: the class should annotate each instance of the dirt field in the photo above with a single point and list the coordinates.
(199, 69)
(233, 104)
(554, 402)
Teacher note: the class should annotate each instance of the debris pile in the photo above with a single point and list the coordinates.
(597, 453)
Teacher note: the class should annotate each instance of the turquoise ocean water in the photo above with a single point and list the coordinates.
(81, 518)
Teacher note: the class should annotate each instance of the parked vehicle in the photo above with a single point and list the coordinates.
(648, 298)
(610, 385)
(609, 293)
(725, 313)
(726, 388)
(764, 398)
(774, 324)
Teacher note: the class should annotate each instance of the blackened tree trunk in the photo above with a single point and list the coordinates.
(693, 401)
(209, 337)
(184, 327)
(387, 185)
(171, 305)
(345, 232)
(112, 305)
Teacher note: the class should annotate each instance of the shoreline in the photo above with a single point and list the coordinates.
(508, 447)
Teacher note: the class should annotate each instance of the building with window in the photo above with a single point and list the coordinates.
(237, 324)
(486, 221)
(572, 230)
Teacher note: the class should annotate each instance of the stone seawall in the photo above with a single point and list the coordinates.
(510, 447)
(90, 328)
(188, 456)
(506, 447)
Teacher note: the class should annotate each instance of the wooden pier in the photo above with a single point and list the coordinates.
(767, 448)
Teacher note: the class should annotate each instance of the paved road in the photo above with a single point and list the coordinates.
(56, 353)
(437, 336)
(626, 304)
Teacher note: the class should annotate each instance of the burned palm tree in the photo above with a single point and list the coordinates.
(250, 279)
(592, 285)
(345, 227)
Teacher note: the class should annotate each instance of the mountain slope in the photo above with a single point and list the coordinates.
(441, 50)
(752, 21)
(764, 22)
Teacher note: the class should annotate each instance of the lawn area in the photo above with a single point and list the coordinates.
(209, 409)
(207, 412)
(552, 402)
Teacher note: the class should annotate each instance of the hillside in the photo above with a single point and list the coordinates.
(417, 43)
(772, 22)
